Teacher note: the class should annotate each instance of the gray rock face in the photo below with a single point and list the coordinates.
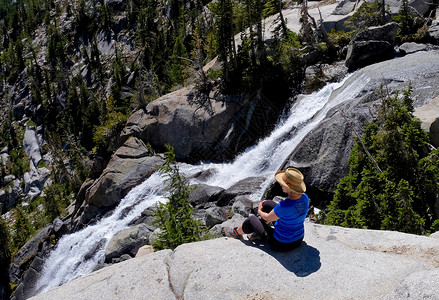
(417, 7)
(371, 45)
(28, 262)
(129, 166)
(35, 181)
(215, 128)
(31, 144)
(322, 155)
(333, 263)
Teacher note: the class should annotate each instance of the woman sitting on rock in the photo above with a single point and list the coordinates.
(288, 215)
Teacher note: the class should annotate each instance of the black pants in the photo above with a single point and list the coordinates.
(257, 225)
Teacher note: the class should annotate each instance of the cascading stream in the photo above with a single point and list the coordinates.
(77, 254)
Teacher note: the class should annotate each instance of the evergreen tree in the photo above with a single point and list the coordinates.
(179, 62)
(21, 229)
(174, 217)
(272, 7)
(225, 33)
(392, 182)
(51, 203)
(5, 254)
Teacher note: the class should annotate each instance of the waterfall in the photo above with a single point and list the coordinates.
(77, 254)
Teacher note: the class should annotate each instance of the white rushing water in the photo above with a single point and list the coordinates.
(78, 254)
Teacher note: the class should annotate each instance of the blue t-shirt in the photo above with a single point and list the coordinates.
(291, 214)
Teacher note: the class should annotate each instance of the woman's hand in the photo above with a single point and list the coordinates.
(267, 217)
(260, 207)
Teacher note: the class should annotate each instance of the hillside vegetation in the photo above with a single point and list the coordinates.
(75, 71)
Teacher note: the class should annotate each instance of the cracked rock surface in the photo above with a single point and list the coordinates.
(332, 263)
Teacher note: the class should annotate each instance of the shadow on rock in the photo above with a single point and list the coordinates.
(302, 261)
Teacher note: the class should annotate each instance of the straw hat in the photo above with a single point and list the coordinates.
(292, 179)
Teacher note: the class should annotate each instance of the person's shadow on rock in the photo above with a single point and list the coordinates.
(302, 261)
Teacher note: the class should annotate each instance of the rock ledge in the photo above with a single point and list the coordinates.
(333, 263)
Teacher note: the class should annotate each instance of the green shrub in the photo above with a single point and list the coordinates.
(369, 14)
(341, 38)
(174, 218)
(108, 131)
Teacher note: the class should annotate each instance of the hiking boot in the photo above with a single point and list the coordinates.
(232, 232)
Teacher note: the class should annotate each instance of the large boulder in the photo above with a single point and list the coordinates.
(416, 7)
(203, 127)
(322, 156)
(203, 194)
(332, 263)
(215, 215)
(372, 45)
(127, 241)
(130, 165)
(32, 144)
(344, 10)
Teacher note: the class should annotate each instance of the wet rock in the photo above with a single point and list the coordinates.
(203, 194)
(128, 242)
(93, 250)
(244, 187)
(25, 269)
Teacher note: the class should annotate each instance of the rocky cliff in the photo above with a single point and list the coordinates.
(332, 263)
(322, 157)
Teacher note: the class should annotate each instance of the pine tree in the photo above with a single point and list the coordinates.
(21, 229)
(392, 183)
(179, 62)
(5, 254)
(174, 217)
(225, 32)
